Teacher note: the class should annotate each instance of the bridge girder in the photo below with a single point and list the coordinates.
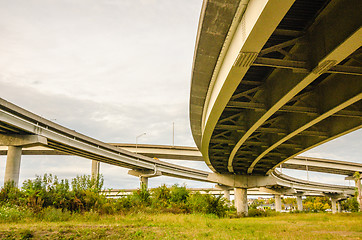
(294, 93)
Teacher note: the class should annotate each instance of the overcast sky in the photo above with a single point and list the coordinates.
(111, 69)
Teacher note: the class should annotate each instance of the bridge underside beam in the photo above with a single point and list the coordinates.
(302, 66)
(251, 31)
(305, 84)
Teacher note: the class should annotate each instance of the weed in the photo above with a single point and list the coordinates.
(26, 234)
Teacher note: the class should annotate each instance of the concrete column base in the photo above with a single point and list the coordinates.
(143, 182)
(334, 205)
(339, 207)
(241, 201)
(227, 196)
(12, 169)
(299, 203)
(278, 202)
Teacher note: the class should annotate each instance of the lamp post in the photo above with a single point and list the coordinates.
(137, 139)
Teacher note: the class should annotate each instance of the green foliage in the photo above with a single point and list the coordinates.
(26, 234)
(142, 196)
(350, 204)
(253, 212)
(316, 203)
(179, 194)
(51, 214)
(208, 204)
(161, 196)
(13, 213)
(10, 194)
(123, 204)
(56, 200)
(256, 203)
(289, 203)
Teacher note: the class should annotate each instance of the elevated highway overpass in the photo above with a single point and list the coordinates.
(193, 154)
(21, 129)
(272, 79)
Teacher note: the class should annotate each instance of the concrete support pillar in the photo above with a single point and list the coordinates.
(143, 181)
(227, 196)
(241, 201)
(339, 207)
(278, 202)
(359, 192)
(95, 169)
(12, 168)
(334, 205)
(299, 203)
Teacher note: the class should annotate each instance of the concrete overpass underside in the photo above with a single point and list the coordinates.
(274, 80)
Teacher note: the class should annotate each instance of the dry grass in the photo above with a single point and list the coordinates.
(180, 226)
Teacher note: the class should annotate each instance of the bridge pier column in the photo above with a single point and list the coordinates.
(359, 191)
(334, 205)
(227, 196)
(339, 207)
(299, 203)
(15, 145)
(278, 202)
(12, 169)
(143, 182)
(95, 168)
(241, 201)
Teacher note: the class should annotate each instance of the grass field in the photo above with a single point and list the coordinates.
(179, 226)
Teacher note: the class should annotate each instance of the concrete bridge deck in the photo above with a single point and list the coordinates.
(193, 154)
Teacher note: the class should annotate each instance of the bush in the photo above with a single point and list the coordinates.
(13, 213)
(178, 194)
(350, 204)
(57, 200)
(257, 213)
(141, 196)
(51, 214)
(161, 196)
(123, 204)
(11, 194)
(208, 204)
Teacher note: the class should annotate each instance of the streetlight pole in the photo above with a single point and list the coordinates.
(173, 134)
(137, 139)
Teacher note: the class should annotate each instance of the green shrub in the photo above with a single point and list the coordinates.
(56, 200)
(13, 213)
(26, 234)
(123, 204)
(11, 194)
(51, 214)
(141, 196)
(257, 213)
(350, 204)
(161, 196)
(208, 204)
(179, 194)
(216, 205)
(196, 203)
